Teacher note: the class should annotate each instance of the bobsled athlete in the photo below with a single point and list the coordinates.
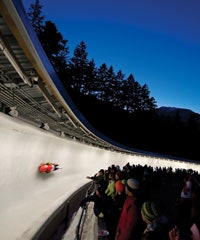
(48, 167)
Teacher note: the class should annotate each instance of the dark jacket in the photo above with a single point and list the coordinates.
(102, 204)
(157, 230)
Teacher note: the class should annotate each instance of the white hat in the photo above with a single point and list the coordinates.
(132, 184)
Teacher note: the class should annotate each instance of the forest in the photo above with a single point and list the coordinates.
(117, 106)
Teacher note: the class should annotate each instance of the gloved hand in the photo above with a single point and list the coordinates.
(101, 215)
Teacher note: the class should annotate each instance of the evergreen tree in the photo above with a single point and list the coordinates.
(78, 66)
(110, 87)
(118, 94)
(147, 102)
(91, 74)
(101, 82)
(128, 92)
(35, 16)
(51, 39)
(54, 46)
(135, 97)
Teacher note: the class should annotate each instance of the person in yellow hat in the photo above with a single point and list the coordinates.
(156, 223)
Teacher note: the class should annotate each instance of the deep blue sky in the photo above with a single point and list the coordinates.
(158, 41)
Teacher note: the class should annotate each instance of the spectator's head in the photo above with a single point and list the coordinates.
(190, 177)
(118, 175)
(101, 172)
(150, 211)
(113, 169)
(132, 186)
(111, 176)
(119, 187)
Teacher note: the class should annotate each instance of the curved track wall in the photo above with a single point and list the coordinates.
(28, 198)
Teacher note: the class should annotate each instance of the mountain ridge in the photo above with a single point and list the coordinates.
(184, 113)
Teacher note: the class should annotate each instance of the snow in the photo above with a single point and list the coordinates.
(28, 197)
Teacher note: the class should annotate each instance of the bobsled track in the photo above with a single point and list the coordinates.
(39, 123)
(29, 199)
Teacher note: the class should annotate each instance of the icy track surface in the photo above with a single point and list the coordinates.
(28, 198)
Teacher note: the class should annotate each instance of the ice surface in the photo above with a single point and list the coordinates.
(28, 198)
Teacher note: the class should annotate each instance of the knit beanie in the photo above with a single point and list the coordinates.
(132, 184)
(123, 181)
(119, 186)
(150, 211)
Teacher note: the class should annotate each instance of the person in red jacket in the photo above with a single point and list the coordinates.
(127, 224)
(48, 167)
(43, 168)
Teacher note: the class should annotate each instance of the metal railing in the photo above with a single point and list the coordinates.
(80, 225)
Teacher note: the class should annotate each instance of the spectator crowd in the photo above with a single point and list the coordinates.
(141, 203)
